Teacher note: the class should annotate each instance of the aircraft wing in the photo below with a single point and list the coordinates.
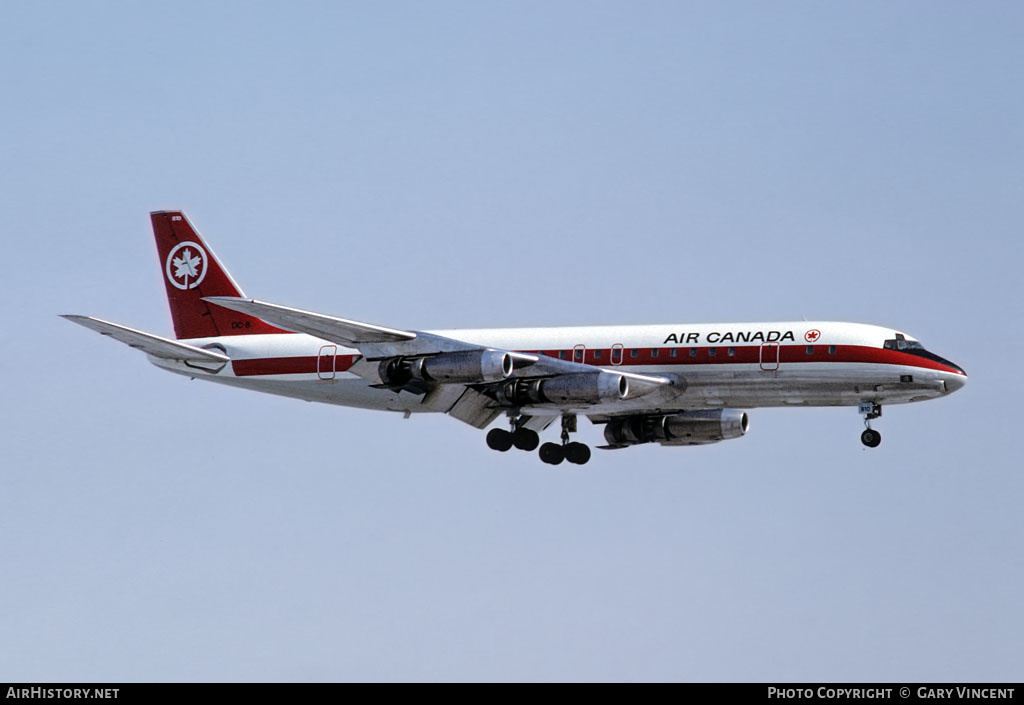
(373, 341)
(148, 343)
(376, 342)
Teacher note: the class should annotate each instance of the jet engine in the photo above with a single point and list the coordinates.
(468, 366)
(575, 388)
(684, 428)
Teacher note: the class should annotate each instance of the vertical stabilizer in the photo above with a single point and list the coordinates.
(191, 271)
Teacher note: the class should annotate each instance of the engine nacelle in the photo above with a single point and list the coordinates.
(467, 366)
(576, 388)
(684, 428)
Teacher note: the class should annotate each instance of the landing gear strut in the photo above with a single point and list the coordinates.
(519, 436)
(576, 453)
(870, 410)
(527, 439)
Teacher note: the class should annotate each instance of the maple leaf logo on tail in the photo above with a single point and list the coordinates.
(185, 266)
(189, 265)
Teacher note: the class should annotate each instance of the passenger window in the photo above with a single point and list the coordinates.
(563, 355)
(831, 349)
(597, 354)
(810, 349)
(693, 352)
(634, 353)
(732, 352)
(712, 352)
(674, 352)
(616, 354)
(654, 352)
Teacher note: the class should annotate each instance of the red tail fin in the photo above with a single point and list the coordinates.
(191, 271)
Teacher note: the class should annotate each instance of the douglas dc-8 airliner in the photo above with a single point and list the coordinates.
(676, 385)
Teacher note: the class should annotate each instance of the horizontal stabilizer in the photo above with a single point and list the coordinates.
(148, 343)
(337, 330)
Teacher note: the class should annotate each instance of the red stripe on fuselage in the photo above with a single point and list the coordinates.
(858, 353)
(750, 355)
(743, 354)
(291, 365)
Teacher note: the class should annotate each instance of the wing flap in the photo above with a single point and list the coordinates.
(475, 409)
(148, 343)
(537, 423)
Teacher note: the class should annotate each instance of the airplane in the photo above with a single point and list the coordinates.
(676, 385)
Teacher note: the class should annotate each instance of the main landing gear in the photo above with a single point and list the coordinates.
(525, 439)
(522, 438)
(870, 410)
(575, 453)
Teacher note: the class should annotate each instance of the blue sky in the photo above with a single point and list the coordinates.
(433, 165)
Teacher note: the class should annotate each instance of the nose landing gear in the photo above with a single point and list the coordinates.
(870, 410)
(871, 438)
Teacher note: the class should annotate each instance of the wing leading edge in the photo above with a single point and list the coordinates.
(148, 343)
(336, 330)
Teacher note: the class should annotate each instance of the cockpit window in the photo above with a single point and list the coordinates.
(912, 347)
(903, 344)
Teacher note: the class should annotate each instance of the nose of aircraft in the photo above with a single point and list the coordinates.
(953, 377)
(953, 381)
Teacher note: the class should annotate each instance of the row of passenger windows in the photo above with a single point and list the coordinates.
(616, 353)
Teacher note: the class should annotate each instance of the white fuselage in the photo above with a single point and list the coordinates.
(737, 365)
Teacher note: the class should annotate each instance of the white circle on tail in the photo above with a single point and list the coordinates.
(186, 265)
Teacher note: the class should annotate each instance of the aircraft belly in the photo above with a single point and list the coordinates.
(805, 386)
(343, 390)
